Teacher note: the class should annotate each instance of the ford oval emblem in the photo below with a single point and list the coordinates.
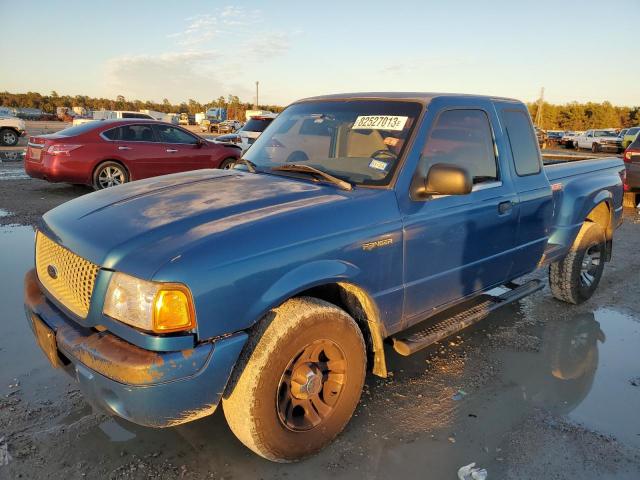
(52, 271)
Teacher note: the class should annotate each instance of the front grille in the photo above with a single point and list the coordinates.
(74, 276)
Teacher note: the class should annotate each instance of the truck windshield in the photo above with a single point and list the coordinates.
(604, 133)
(360, 141)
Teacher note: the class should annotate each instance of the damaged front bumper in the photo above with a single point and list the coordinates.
(155, 389)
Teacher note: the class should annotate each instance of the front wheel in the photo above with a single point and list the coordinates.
(595, 148)
(575, 278)
(109, 174)
(300, 379)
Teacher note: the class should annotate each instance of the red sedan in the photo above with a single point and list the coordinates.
(105, 153)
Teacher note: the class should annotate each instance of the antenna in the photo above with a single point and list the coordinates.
(538, 120)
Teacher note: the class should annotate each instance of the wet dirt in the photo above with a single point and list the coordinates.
(538, 390)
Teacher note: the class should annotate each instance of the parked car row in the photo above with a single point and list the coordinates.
(106, 153)
(214, 126)
(597, 140)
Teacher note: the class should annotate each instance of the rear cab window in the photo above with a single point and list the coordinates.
(522, 141)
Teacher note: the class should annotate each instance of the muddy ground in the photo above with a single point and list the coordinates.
(538, 390)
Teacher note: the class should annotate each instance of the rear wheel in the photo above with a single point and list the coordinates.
(574, 278)
(109, 174)
(8, 137)
(301, 378)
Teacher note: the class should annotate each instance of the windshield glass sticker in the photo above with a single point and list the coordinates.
(379, 122)
(378, 165)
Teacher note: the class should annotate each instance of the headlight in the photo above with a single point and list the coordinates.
(151, 306)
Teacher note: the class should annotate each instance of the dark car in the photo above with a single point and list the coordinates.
(555, 136)
(632, 182)
(105, 153)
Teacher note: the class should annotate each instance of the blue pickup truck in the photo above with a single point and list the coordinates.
(353, 221)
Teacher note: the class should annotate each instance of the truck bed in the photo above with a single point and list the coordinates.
(564, 170)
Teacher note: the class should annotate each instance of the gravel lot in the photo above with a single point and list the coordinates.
(539, 390)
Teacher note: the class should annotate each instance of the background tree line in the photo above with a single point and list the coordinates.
(570, 116)
(48, 103)
(583, 116)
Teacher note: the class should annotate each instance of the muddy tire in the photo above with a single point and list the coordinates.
(298, 380)
(574, 278)
(630, 200)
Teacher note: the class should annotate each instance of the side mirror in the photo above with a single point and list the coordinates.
(445, 179)
(201, 142)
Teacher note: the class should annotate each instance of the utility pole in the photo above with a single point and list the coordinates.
(538, 121)
(257, 83)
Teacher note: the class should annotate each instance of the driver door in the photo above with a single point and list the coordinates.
(457, 245)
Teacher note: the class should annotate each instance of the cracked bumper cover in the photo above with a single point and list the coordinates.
(155, 389)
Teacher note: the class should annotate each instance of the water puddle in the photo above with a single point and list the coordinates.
(13, 174)
(584, 370)
(19, 354)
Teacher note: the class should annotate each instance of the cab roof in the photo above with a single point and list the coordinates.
(420, 97)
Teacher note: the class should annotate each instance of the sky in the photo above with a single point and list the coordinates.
(201, 49)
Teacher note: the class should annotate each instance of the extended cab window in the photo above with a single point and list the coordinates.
(462, 138)
(524, 146)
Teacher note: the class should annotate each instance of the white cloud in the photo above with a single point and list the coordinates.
(201, 67)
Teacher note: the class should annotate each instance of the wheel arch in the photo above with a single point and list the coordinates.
(332, 281)
(602, 214)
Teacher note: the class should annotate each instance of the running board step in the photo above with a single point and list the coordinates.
(441, 329)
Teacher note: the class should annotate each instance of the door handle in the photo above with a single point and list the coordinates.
(171, 150)
(124, 148)
(504, 207)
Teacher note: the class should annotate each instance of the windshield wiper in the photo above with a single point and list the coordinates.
(295, 167)
(250, 165)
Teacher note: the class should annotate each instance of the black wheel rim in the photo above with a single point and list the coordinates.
(590, 265)
(311, 385)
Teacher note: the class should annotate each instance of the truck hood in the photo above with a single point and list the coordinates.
(137, 227)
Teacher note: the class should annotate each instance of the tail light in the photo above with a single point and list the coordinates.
(62, 149)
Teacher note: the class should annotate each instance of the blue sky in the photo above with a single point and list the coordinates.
(152, 49)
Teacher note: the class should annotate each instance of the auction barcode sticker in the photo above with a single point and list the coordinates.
(379, 122)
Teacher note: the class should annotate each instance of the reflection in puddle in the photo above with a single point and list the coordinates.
(116, 432)
(11, 155)
(583, 371)
(13, 174)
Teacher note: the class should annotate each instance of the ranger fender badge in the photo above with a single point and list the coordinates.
(368, 246)
(52, 271)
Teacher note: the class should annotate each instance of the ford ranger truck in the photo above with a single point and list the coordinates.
(271, 288)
